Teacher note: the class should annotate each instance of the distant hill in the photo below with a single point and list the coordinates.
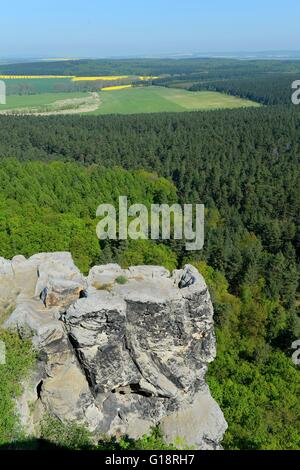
(209, 67)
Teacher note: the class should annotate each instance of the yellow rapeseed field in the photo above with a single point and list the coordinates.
(103, 78)
(13, 77)
(117, 87)
(147, 78)
(77, 79)
(112, 78)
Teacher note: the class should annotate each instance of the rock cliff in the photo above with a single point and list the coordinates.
(120, 351)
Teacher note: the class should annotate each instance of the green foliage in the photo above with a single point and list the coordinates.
(153, 441)
(20, 359)
(121, 280)
(141, 252)
(260, 400)
(52, 207)
(71, 436)
(256, 385)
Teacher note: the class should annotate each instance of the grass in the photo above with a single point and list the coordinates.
(150, 99)
(160, 99)
(38, 85)
(43, 99)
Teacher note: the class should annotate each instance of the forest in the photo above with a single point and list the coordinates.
(208, 68)
(244, 166)
(274, 90)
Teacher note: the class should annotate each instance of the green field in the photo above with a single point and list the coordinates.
(150, 99)
(38, 85)
(160, 99)
(32, 101)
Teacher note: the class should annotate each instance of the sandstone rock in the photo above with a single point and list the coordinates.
(182, 427)
(66, 395)
(130, 356)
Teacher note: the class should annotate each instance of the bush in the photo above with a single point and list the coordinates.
(20, 359)
(70, 436)
(73, 436)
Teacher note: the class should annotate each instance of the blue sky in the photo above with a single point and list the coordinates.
(97, 28)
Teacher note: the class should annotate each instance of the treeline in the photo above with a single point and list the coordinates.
(49, 85)
(267, 90)
(230, 75)
(214, 66)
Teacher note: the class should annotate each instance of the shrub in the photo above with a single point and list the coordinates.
(20, 359)
(121, 280)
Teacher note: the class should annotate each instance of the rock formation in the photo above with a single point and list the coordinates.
(131, 354)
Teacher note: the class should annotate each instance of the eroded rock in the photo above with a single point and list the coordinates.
(131, 355)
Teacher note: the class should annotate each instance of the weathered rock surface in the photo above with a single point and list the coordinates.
(131, 355)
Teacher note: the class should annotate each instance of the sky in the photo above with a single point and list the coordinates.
(97, 28)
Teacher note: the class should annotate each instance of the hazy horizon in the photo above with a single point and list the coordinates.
(193, 55)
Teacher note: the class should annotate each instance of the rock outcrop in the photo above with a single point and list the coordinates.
(129, 354)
